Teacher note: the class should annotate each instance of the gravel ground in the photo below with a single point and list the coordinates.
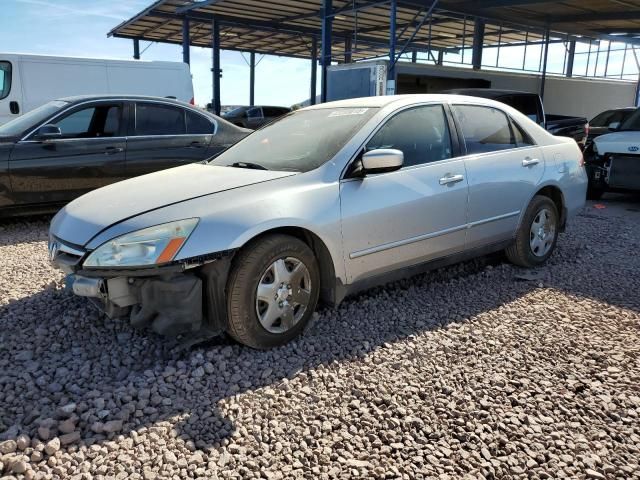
(475, 371)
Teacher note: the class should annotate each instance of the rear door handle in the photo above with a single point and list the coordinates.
(112, 150)
(527, 162)
(448, 179)
(196, 144)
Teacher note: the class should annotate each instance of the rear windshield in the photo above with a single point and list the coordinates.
(611, 116)
(299, 142)
(632, 123)
(32, 119)
(5, 79)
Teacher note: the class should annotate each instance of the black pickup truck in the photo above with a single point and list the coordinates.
(531, 105)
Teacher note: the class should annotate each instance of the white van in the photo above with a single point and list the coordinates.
(28, 81)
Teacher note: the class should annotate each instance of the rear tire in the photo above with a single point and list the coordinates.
(272, 291)
(538, 233)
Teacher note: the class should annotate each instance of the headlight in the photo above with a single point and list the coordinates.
(150, 246)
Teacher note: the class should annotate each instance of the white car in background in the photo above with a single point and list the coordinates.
(613, 160)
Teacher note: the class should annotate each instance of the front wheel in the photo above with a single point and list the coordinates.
(538, 233)
(272, 291)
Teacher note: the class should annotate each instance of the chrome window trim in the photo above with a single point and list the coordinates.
(118, 99)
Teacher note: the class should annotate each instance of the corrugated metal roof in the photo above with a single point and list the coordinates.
(286, 27)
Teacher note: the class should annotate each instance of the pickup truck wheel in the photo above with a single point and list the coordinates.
(272, 291)
(538, 233)
(594, 193)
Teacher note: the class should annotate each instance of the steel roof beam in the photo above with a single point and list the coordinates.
(194, 5)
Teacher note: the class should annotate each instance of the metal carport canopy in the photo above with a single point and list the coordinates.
(286, 27)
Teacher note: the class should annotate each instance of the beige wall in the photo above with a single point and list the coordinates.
(563, 96)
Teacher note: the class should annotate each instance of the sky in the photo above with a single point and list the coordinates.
(79, 28)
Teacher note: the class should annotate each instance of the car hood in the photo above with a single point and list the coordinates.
(85, 217)
(618, 142)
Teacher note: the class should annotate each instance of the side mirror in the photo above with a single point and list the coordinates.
(48, 132)
(382, 160)
(614, 125)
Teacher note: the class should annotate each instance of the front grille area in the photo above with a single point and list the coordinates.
(624, 171)
(63, 255)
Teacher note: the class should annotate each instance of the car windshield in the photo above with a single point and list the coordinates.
(31, 119)
(632, 123)
(299, 142)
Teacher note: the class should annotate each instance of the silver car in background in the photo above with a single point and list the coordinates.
(329, 200)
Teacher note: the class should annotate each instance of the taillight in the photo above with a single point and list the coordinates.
(586, 128)
(192, 101)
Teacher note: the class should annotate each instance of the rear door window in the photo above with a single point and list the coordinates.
(198, 124)
(5, 79)
(153, 119)
(255, 112)
(485, 129)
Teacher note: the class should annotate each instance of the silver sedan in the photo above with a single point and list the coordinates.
(327, 201)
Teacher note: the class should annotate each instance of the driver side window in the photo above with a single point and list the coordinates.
(421, 133)
(92, 122)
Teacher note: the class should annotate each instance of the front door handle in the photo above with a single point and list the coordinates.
(527, 162)
(112, 150)
(448, 179)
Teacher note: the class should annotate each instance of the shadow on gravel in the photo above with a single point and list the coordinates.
(16, 230)
(56, 349)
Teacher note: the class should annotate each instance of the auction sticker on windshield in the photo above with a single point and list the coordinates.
(348, 111)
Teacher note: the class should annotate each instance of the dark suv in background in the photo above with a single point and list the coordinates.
(254, 117)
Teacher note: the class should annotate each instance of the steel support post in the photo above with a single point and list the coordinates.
(543, 80)
(347, 49)
(136, 49)
(252, 79)
(217, 73)
(391, 79)
(571, 57)
(325, 59)
(476, 47)
(186, 40)
(314, 70)
(440, 57)
(414, 56)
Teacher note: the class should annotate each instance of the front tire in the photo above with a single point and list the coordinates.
(272, 291)
(538, 233)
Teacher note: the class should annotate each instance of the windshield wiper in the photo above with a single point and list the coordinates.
(252, 166)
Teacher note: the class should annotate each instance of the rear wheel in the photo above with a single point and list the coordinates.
(273, 290)
(537, 236)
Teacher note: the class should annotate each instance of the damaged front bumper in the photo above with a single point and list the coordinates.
(181, 297)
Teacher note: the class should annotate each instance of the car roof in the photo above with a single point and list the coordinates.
(487, 92)
(383, 101)
(84, 98)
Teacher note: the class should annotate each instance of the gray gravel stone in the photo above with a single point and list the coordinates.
(469, 372)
